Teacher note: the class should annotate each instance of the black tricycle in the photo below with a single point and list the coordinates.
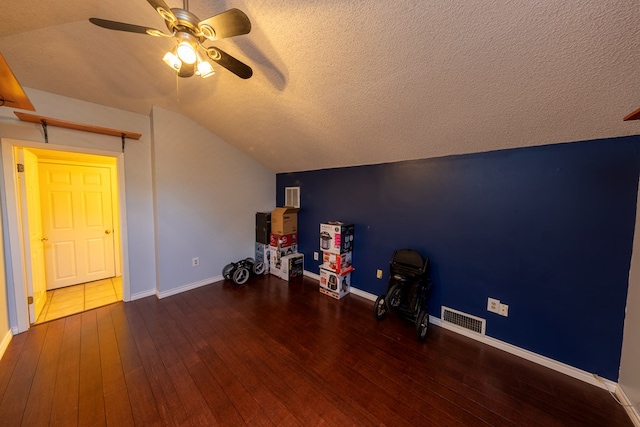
(408, 290)
(242, 270)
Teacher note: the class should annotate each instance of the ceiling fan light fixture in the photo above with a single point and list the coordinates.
(172, 61)
(205, 69)
(186, 52)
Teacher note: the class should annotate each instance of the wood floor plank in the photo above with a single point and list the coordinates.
(171, 343)
(169, 408)
(276, 353)
(19, 386)
(91, 398)
(39, 405)
(116, 399)
(66, 395)
(224, 374)
(9, 361)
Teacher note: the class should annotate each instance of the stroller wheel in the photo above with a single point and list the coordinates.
(393, 297)
(422, 324)
(241, 276)
(258, 268)
(226, 271)
(380, 308)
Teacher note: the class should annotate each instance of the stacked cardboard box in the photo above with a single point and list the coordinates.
(263, 231)
(285, 261)
(336, 243)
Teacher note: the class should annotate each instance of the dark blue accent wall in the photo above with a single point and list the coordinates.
(547, 230)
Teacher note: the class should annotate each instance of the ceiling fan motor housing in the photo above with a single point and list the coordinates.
(188, 22)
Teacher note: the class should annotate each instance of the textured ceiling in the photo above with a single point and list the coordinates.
(350, 82)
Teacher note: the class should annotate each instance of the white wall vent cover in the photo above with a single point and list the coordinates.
(464, 320)
(292, 197)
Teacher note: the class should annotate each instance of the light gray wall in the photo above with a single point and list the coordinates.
(206, 197)
(137, 169)
(629, 379)
(4, 309)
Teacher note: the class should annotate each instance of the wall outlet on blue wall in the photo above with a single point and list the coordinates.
(504, 310)
(493, 305)
(379, 274)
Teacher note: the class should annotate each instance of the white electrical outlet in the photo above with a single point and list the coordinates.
(493, 305)
(315, 256)
(379, 274)
(504, 310)
(195, 262)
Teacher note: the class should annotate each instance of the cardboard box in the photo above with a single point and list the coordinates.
(276, 254)
(340, 263)
(336, 237)
(263, 253)
(284, 220)
(291, 267)
(283, 240)
(263, 227)
(332, 294)
(333, 284)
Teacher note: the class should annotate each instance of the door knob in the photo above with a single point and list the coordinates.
(107, 231)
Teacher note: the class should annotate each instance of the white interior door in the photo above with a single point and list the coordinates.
(77, 219)
(32, 232)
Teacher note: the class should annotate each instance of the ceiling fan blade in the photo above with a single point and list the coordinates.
(231, 23)
(163, 9)
(121, 26)
(229, 62)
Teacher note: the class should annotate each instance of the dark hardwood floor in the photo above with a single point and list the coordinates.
(272, 353)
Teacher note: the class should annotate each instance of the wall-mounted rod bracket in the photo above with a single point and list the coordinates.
(44, 129)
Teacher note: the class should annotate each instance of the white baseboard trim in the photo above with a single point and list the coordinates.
(5, 342)
(632, 411)
(311, 275)
(509, 348)
(143, 294)
(363, 294)
(531, 356)
(355, 291)
(189, 287)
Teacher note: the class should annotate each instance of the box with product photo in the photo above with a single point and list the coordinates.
(283, 240)
(284, 220)
(291, 267)
(336, 237)
(333, 284)
(263, 253)
(340, 263)
(276, 254)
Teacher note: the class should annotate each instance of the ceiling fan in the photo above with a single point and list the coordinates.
(190, 33)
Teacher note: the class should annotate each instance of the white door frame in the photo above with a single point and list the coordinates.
(14, 252)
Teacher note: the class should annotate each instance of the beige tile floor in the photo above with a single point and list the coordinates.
(78, 298)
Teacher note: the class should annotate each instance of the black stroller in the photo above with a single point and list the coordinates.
(408, 290)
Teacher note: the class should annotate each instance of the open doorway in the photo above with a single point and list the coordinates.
(70, 228)
(84, 282)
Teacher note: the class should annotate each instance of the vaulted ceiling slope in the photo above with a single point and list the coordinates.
(351, 82)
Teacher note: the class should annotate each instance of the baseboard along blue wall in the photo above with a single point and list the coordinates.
(547, 230)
